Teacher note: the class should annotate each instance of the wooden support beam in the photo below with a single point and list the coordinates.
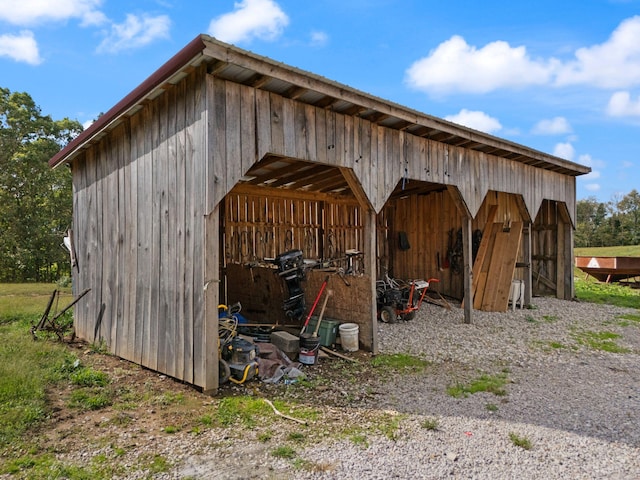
(526, 245)
(370, 249)
(467, 249)
(467, 252)
(210, 353)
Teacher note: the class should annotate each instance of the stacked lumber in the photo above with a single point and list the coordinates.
(495, 265)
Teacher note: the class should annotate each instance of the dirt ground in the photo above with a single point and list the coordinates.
(146, 405)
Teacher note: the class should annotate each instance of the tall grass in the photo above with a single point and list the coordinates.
(27, 367)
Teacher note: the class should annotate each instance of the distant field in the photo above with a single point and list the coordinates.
(626, 251)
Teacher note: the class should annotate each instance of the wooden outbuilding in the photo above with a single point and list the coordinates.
(223, 158)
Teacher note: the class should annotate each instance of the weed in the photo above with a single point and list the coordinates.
(284, 451)
(155, 463)
(206, 420)
(88, 377)
(491, 407)
(430, 424)
(604, 341)
(121, 420)
(264, 437)
(485, 383)
(168, 398)
(388, 425)
(400, 361)
(522, 442)
(244, 409)
(360, 439)
(99, 347)
(557, 345)
(628, 319)
(170, 429)
(89, 399)
(296, 437)
(550, 318)
(530, 319)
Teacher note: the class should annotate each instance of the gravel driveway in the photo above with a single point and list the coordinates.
(577, 406)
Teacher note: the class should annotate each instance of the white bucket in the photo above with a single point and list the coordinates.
(349, 336)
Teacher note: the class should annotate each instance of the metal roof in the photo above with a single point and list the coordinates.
(244, 67)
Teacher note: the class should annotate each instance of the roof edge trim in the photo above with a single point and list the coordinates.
(160, 76)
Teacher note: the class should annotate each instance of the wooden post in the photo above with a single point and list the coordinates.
(370, 250)
(467, 249)
(526, 246)
(209, 357)
(467, 252)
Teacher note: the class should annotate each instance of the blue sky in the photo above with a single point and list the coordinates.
(561, 77)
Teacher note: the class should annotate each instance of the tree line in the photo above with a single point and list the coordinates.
(606, 224)
(36, 201)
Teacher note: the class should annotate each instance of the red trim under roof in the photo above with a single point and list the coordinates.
(166, 71)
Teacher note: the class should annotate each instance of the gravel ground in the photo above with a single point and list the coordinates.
(577, 406)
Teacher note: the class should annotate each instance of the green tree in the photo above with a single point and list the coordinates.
(629, 212)
(591, 219)
(35, 201)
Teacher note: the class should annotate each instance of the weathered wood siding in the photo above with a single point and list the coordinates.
(148, 197)
(432, 225)
(139, 234)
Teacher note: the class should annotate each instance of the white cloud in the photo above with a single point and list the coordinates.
(31, 12)
(319, 39)
(21, 48)
(263, 19)
(622, 105)
(476, 120)
(136, 31)
(564, 150)
(457, 66)
(612, 64)
(552, 126)
(592, 187)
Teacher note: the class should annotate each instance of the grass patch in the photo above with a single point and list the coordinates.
(430, 424)
(155, 464)
(27, 369)
(617, 251)
(251, 411)
(628, 319)
(484, 383)
(603, 293)
(284, 451)
(400, 362)
(604, 341)
(522, 442)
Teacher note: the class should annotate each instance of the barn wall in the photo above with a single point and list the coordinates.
(380, 157)
(138, 226)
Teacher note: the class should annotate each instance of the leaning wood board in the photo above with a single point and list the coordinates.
(501, 269)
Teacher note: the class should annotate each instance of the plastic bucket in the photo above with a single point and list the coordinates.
(309, 346)
(349, 336)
